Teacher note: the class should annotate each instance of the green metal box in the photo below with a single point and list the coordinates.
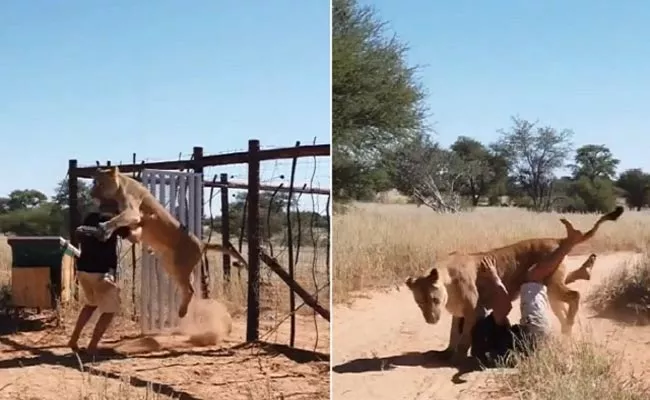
(37, 252)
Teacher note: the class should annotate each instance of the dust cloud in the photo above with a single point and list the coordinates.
(207, 323)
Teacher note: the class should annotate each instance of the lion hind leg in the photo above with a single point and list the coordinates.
(559, 297)
(571, 297)
(187, 292)
(181, 275)
(559, 310)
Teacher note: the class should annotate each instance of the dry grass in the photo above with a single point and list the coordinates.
(379, 245)
(625, 293)
(570, 370)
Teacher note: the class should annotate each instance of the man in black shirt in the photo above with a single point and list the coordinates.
(96, 274)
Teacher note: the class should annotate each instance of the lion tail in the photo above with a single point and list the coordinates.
(228, 250)
(611, 216)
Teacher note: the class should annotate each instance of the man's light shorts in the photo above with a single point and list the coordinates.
(98, 292)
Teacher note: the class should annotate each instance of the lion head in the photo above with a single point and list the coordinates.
(105, 184)
(429, 294)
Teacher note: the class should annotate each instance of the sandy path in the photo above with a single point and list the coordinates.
(380, 343)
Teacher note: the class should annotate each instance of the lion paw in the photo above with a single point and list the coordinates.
(182, 312)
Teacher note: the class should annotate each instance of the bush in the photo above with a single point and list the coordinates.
(625, 293)
(46, 219)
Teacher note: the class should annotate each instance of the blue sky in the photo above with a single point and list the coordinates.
(581, 65)
(99, 80)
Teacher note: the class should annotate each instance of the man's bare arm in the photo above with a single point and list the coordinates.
(500, 299)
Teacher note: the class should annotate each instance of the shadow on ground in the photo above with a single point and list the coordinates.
(632, 315)
(428, 359)
(77, 361)
(300, 356)
(15, 320)
(80, 361)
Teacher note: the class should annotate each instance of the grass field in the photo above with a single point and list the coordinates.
(379, 245)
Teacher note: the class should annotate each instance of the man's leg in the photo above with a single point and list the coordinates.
(83, 318)
(109, 304)
(90, 304)
(100, 328)
(584, 272)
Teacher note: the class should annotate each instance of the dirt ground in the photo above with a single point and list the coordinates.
(384, 350)
(34, 364)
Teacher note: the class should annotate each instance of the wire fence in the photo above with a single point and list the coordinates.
(275, 212)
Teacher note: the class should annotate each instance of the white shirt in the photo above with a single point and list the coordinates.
(534, 306)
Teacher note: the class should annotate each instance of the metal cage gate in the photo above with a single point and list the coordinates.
(182, 194)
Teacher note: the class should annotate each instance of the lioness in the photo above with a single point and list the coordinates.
(453, 284)
(178, 250)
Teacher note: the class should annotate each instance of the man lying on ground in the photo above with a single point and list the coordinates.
(493, 336)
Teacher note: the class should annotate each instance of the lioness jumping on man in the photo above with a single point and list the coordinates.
(493, 336)
(453, 284)
(178, 250)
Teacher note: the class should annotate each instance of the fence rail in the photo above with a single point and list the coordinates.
(253, 157)
(318, 150)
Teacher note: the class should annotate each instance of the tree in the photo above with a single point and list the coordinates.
(354, 179)
(4, 205)
(24, 199)
(635, 184)
(534, 153)
(61, 195)
(565, 198)
(271, 214)
(377, 101)
(430, 173)
(501, 181)
(596, 195)
(592, 173)
(594, 161)
(477, 160)
(28, 211)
